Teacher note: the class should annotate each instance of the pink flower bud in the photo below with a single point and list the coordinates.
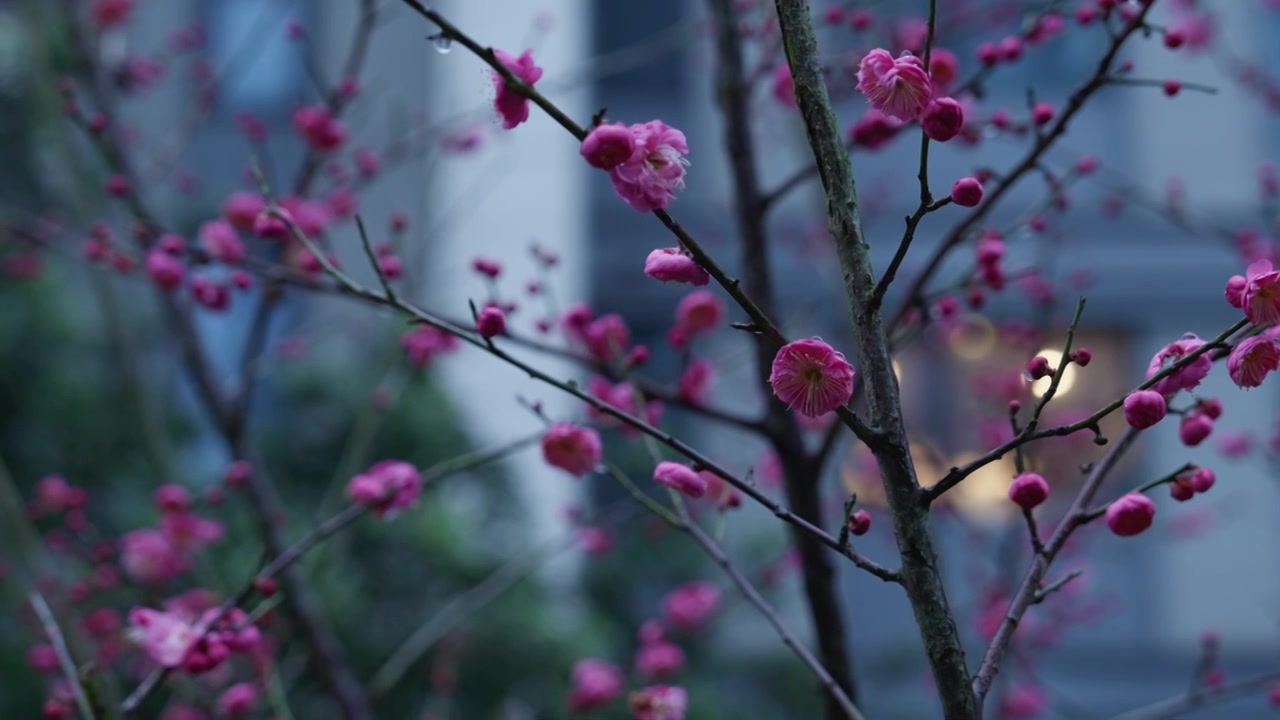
(698, 312)
(43, 658)
(943, 68)
(117, 186)
(574, 449)
(387, 487)
(859, 522)
(491, 322)
(1144, 408)
(1211, 407)
(672, 265)
(637, 356)
(269, 226)
(1081, 356)
(942, 119)
(1042, 113)
(1028, 490)
(691, 605)
(238, 473)
(659, 660)
(1131, 514)
(1235, 290)
(966, 192)
(172, 498)
(1181, 490)
(237, 700)
(1010, 48)
(681, 478)
(1172, 87)
(266, 586)
(1194, 429)
(1038, 367)
(110, 13)
(608, 146)
(1202, 479)
(165, 270)
(489, 268)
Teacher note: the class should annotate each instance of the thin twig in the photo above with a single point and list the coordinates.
(310, 540)
(463, 606)
(1029, 162)
(760, 322)
(572, 388)
(54, 633)
(1201, 698)
(921, 577)
(713, 549)
(957, 474)
(1030, 587)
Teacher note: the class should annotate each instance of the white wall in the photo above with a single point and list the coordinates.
(528, 183)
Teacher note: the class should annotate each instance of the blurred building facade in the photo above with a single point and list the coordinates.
(1151, 281)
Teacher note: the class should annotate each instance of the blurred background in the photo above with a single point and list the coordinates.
(490, 572)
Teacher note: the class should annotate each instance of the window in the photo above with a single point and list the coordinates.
(249, 45)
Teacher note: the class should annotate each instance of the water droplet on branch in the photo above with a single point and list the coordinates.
(442, 43)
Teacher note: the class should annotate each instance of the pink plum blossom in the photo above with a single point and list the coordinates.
(1252, 360)
(649, 179)
(811, 377)
(659, 702)
(510, 105)
(689, 606)
(572, 448)
(898, 87)
(387, 487)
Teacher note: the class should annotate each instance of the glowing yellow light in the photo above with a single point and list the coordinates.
(984, 495)
(897, 370)
(1041, 386)
(972, 337)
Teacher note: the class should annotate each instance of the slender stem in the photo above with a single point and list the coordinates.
(1199, 698)
(760, 323)
(957, 474)
(1055, 586)
(713, 549)
(457, 610)
(286, 559)
(927, 204)
(1092, 515)
(1150, 82)
(1030, 588)
(802, 477)
(68, 664)
(1029, 162)
(920, 575)
(1059, 371)
(278, 565)
(572, 388)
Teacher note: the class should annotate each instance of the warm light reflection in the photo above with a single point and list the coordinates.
(897, 370)
(984, 495)
(1041, 386)
(861, 475)
(972, 337)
